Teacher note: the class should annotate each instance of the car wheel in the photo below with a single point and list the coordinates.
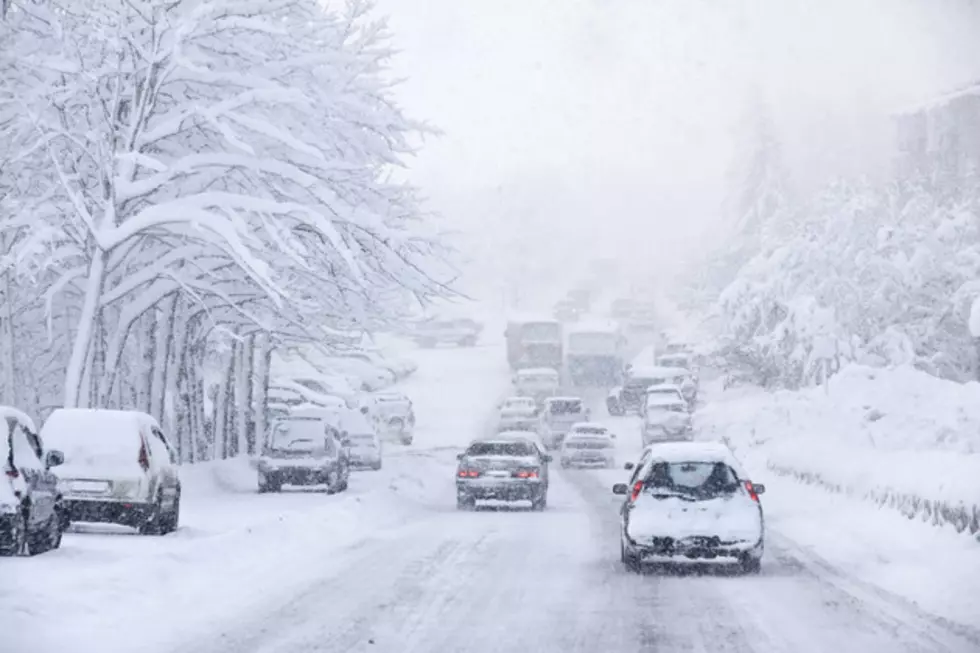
(376, 466)
(629, 559)
(172, 520)
(51, 535)
(17, 540)
(153, 523)
(465, 502)
(540, 502)
(614, 409)
(750, 564)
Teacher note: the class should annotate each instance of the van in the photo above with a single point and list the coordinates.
(119, 468)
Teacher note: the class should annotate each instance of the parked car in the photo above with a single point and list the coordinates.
(118, 468)
(31, 506)
(304, 448)
(690, 501)
(518, 413)
(504, 469)
(588, 445)
(463, 332)
(558, 414)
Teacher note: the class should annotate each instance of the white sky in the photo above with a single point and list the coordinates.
(608, 124)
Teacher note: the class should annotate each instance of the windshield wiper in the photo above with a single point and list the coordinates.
(666, 494)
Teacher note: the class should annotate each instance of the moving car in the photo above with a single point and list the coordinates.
(30, 502)
(558, 414)
(518, 413)
(505, 468)
(665, 419)
(666, 390)
(539, 383)
(118, 468)
(588, 445)
(631, 396)
(689, 383)
(304, 448)
(691, 501)
(395, 414)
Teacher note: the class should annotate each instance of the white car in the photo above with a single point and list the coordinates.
(691, 501)
(588, 445)
(668, 390)
(518, 413)
(118, 467)
(538, 383)
(665, 419)
(394, 414)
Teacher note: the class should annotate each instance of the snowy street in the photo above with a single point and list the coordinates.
(393, 566)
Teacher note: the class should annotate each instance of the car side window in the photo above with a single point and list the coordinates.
(161, 439)
(26, 447)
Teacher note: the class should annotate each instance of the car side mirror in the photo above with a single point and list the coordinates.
(620, 488)
(54, 458)
(628, 466)
(547, 458)
(459, 456)
(759, 488)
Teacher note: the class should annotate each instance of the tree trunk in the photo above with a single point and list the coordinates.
(261, 381)
(225, 415)
(9, 376)
(243, 397)
(164, 337)
(81, 346)
(148, 371)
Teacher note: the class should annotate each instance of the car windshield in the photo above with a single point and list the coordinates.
(670, 408)
(592, 430)
(507, 449)
(565, 407)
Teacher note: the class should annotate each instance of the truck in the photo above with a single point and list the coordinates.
(594, 354)
(534, 342)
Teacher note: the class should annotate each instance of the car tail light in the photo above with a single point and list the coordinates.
(144, 457)
(469, 473)
(637, 488)
(12, 472)
(751, 490)
(526, 473)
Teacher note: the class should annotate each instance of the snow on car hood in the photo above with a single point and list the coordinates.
(667, 418)
(730, 518)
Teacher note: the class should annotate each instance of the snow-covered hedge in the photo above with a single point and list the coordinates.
(897, 436)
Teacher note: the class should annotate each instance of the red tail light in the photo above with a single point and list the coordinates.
(12, 472)
(637, 488)
(526, 473)
(144, 457)
(751, 491)
(469, 473)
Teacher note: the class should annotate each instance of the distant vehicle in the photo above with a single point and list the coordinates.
(118, 468)
(396, 414)
(594, 354)
(31, 508)
(533, 343)
(665, 419)
(581, 298)
(365, 447)
(689, 385)
(631, 396)
(463, 332)
(304, 448)
(621, 308)
(558, 414)
(688, 502)
(566, 311)
(668, 390)
(677, 348)
(518, 413)
(588, 445)
(504, 469)
(537, 383)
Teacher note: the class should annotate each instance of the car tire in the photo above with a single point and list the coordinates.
(750, 565)
(172, 521)
(152, 524)
(465, 501)
(540, 502)
(629, 560)
(18, 538)
(47, 539)
(376, 466)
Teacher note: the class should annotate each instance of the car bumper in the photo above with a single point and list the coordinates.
(503, 490)
(668, 549)
(298, 475)
(575, 461)
(125, 513)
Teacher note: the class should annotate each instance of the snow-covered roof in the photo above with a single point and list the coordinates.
(538, 371)
(107, 440)
(664, 388)
(969, 90)
(519, 400)
(683, 452)
(508, 436)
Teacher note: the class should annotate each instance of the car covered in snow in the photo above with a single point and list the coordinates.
(363, 439)
(539, 383)
(685, 361)
(368, 376)
(588, 445)
(395, 414)
(665, 419)
(666, 390)
(504, 468)
(631, 396)
(119, 468)
(557, 416)
(518, 413)
(304, 448)
(461, 331)
(30, 501)
(690, 502)
(400, 368)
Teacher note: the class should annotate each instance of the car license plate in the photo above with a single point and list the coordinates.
(498, 473)
(90, 487)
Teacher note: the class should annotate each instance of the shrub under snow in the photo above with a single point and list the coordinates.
(896, 436)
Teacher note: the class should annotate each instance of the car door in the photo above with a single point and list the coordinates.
(42, 484)
(166, 462)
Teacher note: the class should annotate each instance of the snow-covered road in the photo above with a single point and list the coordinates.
(392, 566)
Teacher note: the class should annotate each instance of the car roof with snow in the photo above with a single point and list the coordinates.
(312, 411)
(537, 371)
(83, 421)
(656, 372)
(555, 400)
(390, 396)
(690, 452)
(657, 399)
(675, 356)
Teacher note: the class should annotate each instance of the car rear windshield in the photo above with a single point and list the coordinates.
(673, 408)
(593, 443)
(500, 449)
(591, 430)
(569, 407)
(702, 479)
(299, 434)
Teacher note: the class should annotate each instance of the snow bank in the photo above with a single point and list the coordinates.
(899, 437)
(232, 476)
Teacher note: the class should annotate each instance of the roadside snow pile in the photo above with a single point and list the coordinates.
(232, 476)
(899, 437)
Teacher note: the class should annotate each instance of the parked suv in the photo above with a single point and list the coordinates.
(119, 468)
(30, 505)
(304, 448)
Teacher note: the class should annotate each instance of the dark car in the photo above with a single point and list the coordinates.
(503, 469)
(304, 449)
(30, 503)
